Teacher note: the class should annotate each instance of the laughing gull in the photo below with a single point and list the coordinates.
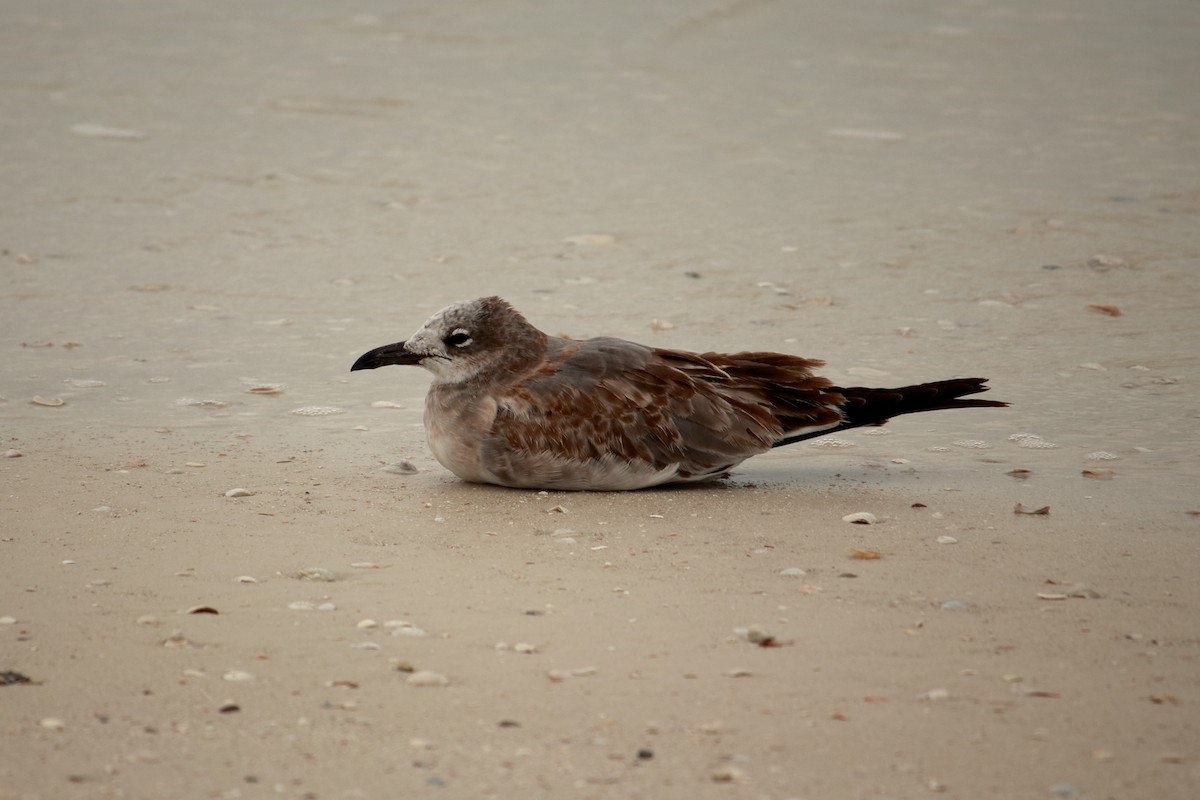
(513, 406)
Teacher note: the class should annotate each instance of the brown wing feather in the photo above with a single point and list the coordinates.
(705, 412)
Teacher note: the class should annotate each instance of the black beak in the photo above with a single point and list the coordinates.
(383, 356)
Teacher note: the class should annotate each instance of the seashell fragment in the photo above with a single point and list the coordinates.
(52, 402)
(316, 574)
(317, 411)
(427, 678)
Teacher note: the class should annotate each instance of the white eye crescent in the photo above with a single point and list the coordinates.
(460, 337)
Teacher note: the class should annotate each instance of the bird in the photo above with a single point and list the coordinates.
(513, 406)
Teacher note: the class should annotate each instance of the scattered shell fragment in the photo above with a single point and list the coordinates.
(237, 676)
(11, 454)
(934, 695)
(266, 388)
(176, 639)
(428, 678)
(1044, 511)
(1032, 441)
(1019, 473)
(728, 774)
(93, 130)
(52, 402)
(1102, 262)
(1098, 474)
(201, 610)
(739, 672)
(861, 518)
(403, 467)
(239, 492)
(1111, 311)
(560, 675)
(661, 325)
(524, 647)
(407, 629)
(192, 402)
(792, 572)
(947, 540)
(365, 565)
(755, 634)
(865, 555)
(53, 724)
(831, 443)
(386, 404)
(6, 620)
(316, 574)
(1051, 596)
(246, 579)
(317, 411)
(147, 619)
(366, 623)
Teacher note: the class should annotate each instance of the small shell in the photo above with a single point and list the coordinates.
(201, 610)
(239, 493)
(317, 411)
(427, 678)
(861, 518)
(316, 574)
(52, 402)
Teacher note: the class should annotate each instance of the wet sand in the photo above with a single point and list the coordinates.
(206, 198)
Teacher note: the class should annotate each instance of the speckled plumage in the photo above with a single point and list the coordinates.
(513, 406)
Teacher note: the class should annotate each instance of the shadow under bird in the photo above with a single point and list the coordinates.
(513, 406)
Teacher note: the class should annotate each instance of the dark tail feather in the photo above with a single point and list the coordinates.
(865, 406)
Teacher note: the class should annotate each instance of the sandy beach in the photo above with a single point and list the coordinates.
(212, 208)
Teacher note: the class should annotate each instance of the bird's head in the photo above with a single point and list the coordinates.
(462, 341)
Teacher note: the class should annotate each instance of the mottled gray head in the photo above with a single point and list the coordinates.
(463, 340)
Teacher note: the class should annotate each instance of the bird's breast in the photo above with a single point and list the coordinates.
(456, 422)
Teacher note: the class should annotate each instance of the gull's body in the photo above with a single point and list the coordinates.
(513, 406)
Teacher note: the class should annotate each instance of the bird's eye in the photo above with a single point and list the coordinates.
(459, 338)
